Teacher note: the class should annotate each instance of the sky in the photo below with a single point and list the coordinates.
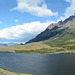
(22, 20)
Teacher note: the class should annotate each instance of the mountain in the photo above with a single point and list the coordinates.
(57, 38)
(3, 45)
(55, 29)
(59, 35)
(11, 44)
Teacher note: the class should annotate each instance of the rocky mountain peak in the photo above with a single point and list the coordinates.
(69, 19)
(55, 29)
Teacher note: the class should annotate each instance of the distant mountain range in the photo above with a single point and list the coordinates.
(7, 44)
(3, 45)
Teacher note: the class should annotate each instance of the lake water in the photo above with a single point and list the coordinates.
(39, 64)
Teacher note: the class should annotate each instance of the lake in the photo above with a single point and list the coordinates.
(39, 64)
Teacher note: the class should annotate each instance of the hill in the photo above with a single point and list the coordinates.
(3, 45)
(57, 38)
(61, 34)
(5, 72)
(55, 29)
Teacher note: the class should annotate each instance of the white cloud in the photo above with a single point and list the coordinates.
(34, 7)
(16, 20)
(71, 9)
(1, 22)
(21, 33)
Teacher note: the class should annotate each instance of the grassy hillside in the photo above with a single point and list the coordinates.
(61, 43)
(66, 37)
(65, 40)
(5, 72)
(26, 48)
(57, 38)
(37, 47)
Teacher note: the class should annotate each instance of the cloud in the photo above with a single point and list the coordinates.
(21, 33)
(16, 20)
(71, 9)
(34, 7)
(1, 22)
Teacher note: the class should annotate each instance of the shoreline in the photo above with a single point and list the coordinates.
(22, 51)
(6, 72)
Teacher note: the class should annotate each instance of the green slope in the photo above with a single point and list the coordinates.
(62, 39)
(57, 38)
(65, 40)
(5, 72)
(60, 36)
(55, 29)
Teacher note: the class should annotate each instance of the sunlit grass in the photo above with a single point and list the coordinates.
(5, 72)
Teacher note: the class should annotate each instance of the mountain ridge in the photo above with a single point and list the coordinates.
(55, 29)
(57, 38)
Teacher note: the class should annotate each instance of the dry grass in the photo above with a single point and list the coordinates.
(39, 47)
(72, 40)
(30, 46)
